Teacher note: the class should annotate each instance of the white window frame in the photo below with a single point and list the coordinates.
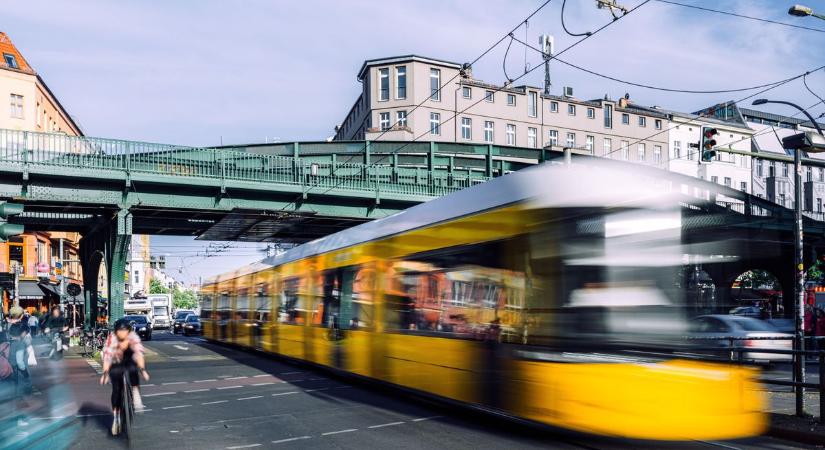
(657, 154)
(591, 113)
(625, 146)
(399, 71)
(510, 134)
(571, 140)
(435, 77)
(401, 118)
(553, 137)
(607, 146)
(489, 131)
(533, 104)
(642, 121)
(16, 106)
(489, 96)
(554, 107)
(532, 134)
(571, 109)
(608, 116)
(625, 119)
(384, 120)
(590, 143)
(641, 151)
(677, 150)
(435, 123)
(467, 92)
(511, 97)
(466, 128)
(657, 124)
(383, 76)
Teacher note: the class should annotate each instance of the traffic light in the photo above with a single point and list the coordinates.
(9, 229)
(706, 146)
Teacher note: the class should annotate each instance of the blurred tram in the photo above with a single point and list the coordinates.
(528, 295)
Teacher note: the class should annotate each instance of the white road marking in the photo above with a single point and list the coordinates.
(178, 406)
(196, 390)
(147, 385)
(174, 431)
(243, 446)
(212, 403)
(420, 419)
(281, 441)
(159, 393)
(174, 382)
(262, 384)
(235, 378)
(230, 387)
(386, 425)
(250, 398)
(262, 375)
(285, 393)
(349, 430)
(180, 347)
(204, 381)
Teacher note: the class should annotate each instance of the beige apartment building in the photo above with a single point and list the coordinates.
(491, 114)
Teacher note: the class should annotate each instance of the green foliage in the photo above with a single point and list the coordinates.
(758, 279)
(186, 299)
(156, 287)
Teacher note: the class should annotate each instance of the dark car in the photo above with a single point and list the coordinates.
(141, 325)
(192, 325)
(177, 321)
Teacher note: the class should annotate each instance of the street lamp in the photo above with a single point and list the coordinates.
(803, 11)
(799, 143)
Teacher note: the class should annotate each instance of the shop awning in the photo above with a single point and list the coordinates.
(29, 290)
(49, 289)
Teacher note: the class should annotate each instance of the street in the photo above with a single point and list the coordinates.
(207, 396)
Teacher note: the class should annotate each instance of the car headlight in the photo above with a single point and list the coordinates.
(143, 329)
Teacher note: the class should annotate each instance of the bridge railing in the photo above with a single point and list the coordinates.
(31, 149)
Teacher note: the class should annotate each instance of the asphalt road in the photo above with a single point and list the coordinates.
(205, 396)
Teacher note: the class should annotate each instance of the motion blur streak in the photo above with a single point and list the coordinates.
(525, 295)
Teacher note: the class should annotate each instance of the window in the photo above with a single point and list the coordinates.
(809, 174)
(642, 121)
(571, 140)
(11, 61)
(625, 150)
(727, 181)
(677, 149)
(571, 110)
(657, 154)
(467, 92)
(607, 146)
(771, 169)
(591, 113)
(759, 167)
(821, 174)
(782, 199)
(511, 100)
(554, 107)
(384, 121)
(784, 170)
(510, 134)
(401, 82)
(435, 85)
(743, 186)
(553, 137)
(819, 205)
(16, 106)
(401, 118)
(608, 116)
(435, 123)
(658, 124)
(532, 104)
(625, 119)
(466, 128)
(589, 143)
(489, 96)
(531, 137)
(641, 152)
(384, 82)
(714, 179)
(488, 131)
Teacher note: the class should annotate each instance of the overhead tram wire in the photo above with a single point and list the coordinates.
(498, 89)
(805, 82)
(742, 16)
(656, 88)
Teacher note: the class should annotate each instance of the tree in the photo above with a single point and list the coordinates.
(156, 287)
(184, 299)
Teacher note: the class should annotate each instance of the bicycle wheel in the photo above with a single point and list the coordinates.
(88, 347)
(126, 409)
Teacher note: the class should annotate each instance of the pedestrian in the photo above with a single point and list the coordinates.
(809, 325)
(33, 324)
(819, 330)
(20, 345)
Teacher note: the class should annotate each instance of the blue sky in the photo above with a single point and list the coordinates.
(210, 71)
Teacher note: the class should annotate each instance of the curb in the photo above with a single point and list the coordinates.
(805, 431)
(797, 436)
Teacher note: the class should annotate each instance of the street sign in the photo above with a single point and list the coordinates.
(73, 289)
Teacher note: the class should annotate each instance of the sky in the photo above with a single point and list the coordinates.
(208, 72)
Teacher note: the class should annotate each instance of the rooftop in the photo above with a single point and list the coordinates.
(12, 58)
(405, 58)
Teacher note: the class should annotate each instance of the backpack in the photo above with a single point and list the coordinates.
(5, 366)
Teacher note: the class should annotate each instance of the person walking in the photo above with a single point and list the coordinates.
(33, 325)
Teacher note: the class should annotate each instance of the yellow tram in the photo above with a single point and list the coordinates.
(546, 295)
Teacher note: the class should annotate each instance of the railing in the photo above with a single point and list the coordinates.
(28, 150)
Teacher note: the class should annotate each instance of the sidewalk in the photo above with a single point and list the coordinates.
(784, 423)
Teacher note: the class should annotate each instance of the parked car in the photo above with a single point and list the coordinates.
(783, 325)
(142, 325)
(177, 321)
(719, 328)
(747, 311)
(192, 325)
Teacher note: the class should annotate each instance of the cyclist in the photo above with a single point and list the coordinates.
(123, 352)
(55, 323)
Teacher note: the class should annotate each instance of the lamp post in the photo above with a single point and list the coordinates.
(803, 11)
(798, 143)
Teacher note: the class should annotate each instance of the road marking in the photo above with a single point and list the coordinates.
(243, 446)
(319, 389)
(420, 419)
(159, 393)
(180, 347)
(150, 384)
(204, 381)
(196, 390)
(386, 425)
(285, 393)
(250, 398)
(718, 444)
(212, 403)
(262, 384)
(235, 378)
(262, 375)
(230, 387)
(178, 406)
(349, 430)
(281, 441)
(174, 431)
(174, 382)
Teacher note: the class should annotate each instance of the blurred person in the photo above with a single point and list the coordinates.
(18, 357)
(33, 325)
(809, 325)
(123, 353)
(819, 330)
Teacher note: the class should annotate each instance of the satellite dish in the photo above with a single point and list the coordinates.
(73, 289)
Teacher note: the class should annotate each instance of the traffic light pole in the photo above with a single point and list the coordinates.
(799, 287)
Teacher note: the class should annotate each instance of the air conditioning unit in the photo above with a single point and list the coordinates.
(568, 91)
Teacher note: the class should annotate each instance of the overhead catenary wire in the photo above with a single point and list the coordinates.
(743, 16)
(564, 27)
(805, 82)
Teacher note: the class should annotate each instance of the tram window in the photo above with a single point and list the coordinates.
(326, 300)
(206, 306)
(291, 310)
(263, 304)
(223, 306)
(363, 291)
(242, 305)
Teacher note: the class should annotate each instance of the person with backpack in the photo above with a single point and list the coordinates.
(18, 357)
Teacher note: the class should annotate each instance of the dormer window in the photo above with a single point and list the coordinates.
(11, 61)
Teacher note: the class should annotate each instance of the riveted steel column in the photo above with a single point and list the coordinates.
(91, 255)
(117, 253)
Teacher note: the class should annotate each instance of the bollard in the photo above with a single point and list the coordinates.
(822, 387)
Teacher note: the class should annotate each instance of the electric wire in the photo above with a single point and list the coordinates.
(586, 33)
(805, 82)
(775, 22)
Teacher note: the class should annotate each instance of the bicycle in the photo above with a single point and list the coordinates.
(127, 407)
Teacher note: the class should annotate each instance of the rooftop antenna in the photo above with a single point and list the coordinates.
(547, 44)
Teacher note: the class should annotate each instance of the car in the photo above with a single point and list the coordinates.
(192, 325)
(747, 311)
(177, 321)
(724, 331)
(142, 325)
